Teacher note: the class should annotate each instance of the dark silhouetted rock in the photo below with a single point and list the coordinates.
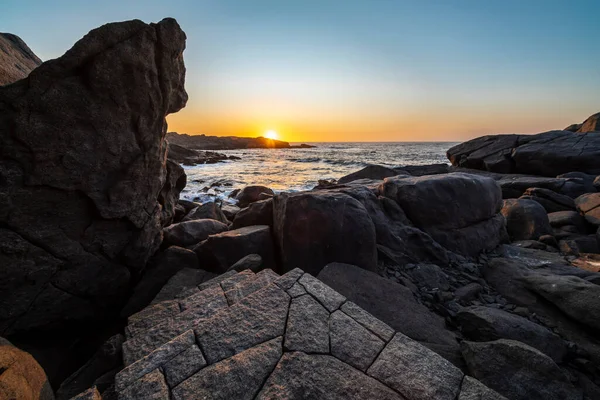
(203, 142)
(250, 194)
(550, 200)
(82, 166)
(257, 213)
(191, 232)
(184, 156)
(313, 229)
(183, 280)
(210, 210)
(107, 358)
(253, 262)
(376, 172)
(546, 154)
(468, 226)
(484, 324)
(21, 377)
(230, 211)
(472, 389)
(563, 218)
(221, 251)
(525, 219)
(518, 371)
(17, 59)
(161, 269)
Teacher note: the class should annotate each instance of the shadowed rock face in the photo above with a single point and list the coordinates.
(84, 183)
(16, 59)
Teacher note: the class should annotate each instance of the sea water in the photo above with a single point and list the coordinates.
(301, 169)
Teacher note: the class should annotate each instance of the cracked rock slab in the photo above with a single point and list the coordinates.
(303, 376)
(257, 318)
(151, 386)
(331, 299)
(184, 365)
(472, 389)
(368, 321)
(238, 377)
(415, 371)
(352, 343)
(307, 326)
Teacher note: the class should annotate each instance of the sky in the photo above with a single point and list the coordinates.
(358, 70)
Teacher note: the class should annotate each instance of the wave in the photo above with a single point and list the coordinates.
(327, 161)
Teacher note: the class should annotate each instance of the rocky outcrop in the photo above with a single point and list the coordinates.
(466, 227)
(265, 336)
(592, 124)
(17, 59)
(369, 172)
(184, 156)
(76, 228)
(546, 154)
(21, 377)
(313, 229)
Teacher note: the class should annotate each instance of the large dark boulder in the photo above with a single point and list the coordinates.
(369, 172)
(257, 213)
(459, 211)
(546, 154)
(17, 60)
(219, 252)
(313, 229)
(210, 210)
(82, 163)
(392, 303)
(484, 324)
(21, 377)
(191, 232)
(518, 371)
(250, 194)
(525, 219)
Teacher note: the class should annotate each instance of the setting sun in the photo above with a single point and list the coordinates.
(271, 134)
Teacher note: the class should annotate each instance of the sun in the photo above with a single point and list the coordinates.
(271, 134)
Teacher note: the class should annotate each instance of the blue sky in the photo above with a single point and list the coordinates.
(359, 70)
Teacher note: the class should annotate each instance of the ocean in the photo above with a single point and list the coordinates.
(301, 169)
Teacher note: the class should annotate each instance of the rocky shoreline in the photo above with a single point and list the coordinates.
(204, 142)
(476, 280)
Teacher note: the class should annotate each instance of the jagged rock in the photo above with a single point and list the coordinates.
(257, 213)
(183, 280)
(191, 232)
(429, 276)
(390, 302)
(468, 226)
(107, 358)
(253, 262)
(162, 268)
(377, 172)
(221, 251)
(517, 371)
(250, 194)
(588, 205)
(484, 324)
(17, 59)
(550, 200)
(21, 377)
(546, 154)
(83, 164)
(150, 386)
(208, 210)
(525, 219)
(314, 228)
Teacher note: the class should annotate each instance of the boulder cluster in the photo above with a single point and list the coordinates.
(478, 280)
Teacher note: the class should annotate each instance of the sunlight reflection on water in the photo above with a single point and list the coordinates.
(300, 169)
